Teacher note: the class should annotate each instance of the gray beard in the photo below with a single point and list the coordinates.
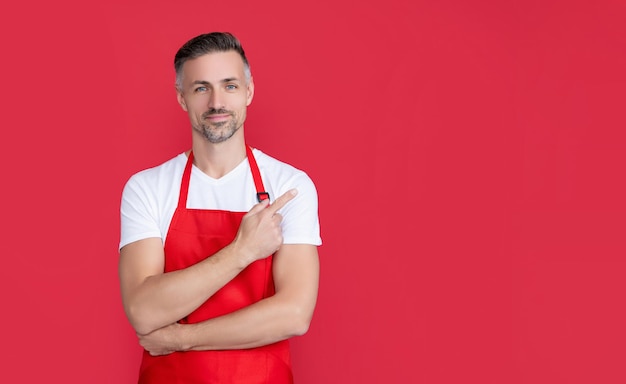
(219, 132)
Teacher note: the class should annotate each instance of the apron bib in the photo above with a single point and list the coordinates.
(194, 235)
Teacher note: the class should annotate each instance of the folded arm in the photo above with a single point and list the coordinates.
(154, 299)
(285, 314)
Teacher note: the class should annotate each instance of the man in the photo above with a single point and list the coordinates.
(218, 252)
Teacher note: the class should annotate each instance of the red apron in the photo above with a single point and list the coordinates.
(194, 235)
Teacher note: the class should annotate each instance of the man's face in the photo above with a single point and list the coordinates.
(215, 95)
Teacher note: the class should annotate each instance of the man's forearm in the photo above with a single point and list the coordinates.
(285, 314)
(165, 298)
(262, 323)
(153, 299)
(265, 322)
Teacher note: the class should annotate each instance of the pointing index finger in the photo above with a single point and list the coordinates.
(282, 200)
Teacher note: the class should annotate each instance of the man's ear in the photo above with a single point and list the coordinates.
(181, 99)
(250, 91)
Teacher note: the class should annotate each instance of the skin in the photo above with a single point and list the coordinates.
(215, 96)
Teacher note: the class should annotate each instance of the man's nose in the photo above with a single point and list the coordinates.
(216, 100)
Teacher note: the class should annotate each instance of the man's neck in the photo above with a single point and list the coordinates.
(216, 160)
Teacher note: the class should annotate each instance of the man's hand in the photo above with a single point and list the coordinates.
(153, 299)
(260, 234)
(163, 341)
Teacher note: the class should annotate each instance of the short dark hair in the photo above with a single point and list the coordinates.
(208, 43)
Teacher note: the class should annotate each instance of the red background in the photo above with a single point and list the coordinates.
(469, 158)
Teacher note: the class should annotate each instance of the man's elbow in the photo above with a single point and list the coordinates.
(301, 329)
(142, 329)
(139, 322)
(301, 320)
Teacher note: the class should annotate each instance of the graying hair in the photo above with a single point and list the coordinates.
(209, 43)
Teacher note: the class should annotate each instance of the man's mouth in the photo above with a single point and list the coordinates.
(216, 115)
(220, 116)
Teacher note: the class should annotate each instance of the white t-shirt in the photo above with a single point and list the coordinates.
(150, 197)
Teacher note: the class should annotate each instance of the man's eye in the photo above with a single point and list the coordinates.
(200, 89)
(231, 87)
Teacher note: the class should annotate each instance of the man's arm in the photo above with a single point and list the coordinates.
(287, 313)
(153, 299)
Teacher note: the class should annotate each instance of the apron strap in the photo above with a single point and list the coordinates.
(256, 175)
(254, 168)
(184, 185)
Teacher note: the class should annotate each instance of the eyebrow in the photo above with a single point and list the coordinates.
(226, 80)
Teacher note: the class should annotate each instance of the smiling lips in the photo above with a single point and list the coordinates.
(217, 117)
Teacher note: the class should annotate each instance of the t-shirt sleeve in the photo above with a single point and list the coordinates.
(300, 215)
(138, 213)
